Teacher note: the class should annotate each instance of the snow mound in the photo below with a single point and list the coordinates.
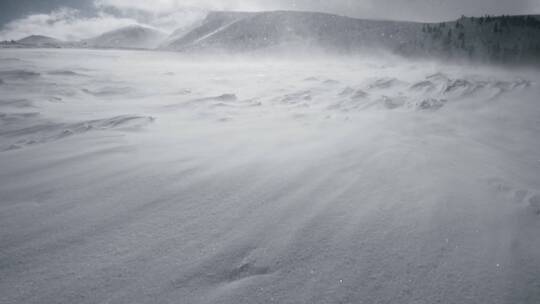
(64, 73)
(108, 91)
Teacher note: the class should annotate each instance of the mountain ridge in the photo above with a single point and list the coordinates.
(129, 37)
(492, 39)
(500, 39)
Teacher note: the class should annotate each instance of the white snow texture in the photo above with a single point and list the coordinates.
(157, 177)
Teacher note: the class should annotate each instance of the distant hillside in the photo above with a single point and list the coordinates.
(40, 41)
(512, 39)
(35, 41)
(131, 37)
(214, 23)
(503, 39)
(251, 31)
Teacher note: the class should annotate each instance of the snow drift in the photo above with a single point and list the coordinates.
(144, 177)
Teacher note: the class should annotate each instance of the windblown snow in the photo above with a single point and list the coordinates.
(154, 177)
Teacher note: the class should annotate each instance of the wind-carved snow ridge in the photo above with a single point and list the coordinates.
(25, 129)
(430, 93)
(18, 75)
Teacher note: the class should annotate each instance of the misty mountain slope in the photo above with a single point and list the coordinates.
(131, 37)
(156, 177)
(255, 31)
(179, 33)
(35, 41)
(504, 39)
(489, 39)
(211, 25)
(40, 41)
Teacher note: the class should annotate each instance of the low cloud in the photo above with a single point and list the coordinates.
(65, 24)
(72, 25)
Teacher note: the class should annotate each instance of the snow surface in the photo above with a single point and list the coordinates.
(153, 177)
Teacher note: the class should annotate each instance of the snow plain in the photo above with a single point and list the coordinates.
(152, 177)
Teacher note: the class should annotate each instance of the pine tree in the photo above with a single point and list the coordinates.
(496, 51)
(504, 21)
(471, 51)
(461, 38)
(448, 40)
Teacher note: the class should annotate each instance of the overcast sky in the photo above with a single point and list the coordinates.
(75, 19)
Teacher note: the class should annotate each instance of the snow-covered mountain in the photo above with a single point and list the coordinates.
(213, 24)
(131, 37)
(493, 39)
(503, 39)
(40, 41)
(250, 31)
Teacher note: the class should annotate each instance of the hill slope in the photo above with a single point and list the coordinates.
(508, 39)
(245, 32)
(494, 39)
(131, 37)
(40, 41)
(503, 39)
